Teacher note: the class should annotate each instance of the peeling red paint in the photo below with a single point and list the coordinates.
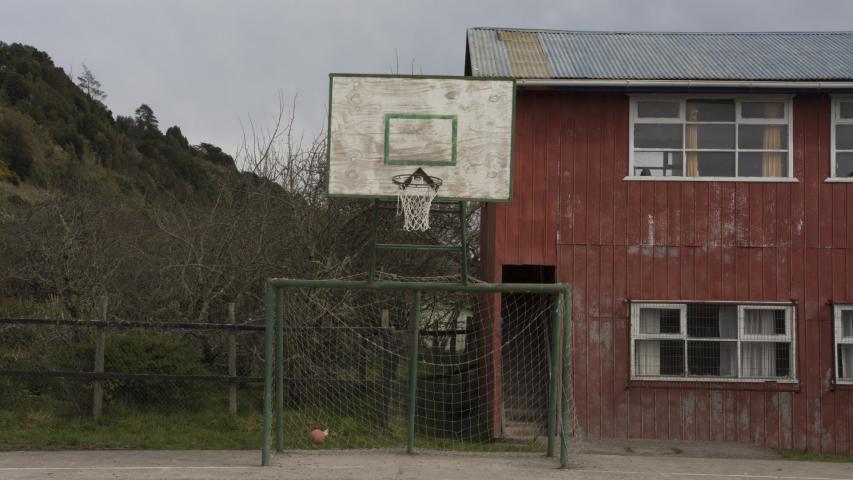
(614, 239)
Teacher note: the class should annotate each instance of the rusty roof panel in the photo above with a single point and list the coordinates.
(792, 56)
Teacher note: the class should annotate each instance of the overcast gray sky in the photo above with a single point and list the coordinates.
(209, 65)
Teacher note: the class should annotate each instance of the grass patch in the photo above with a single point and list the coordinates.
(39, 430)
(806, 456)
(214, 429)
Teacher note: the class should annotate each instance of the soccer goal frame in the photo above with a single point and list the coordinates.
(276, 295)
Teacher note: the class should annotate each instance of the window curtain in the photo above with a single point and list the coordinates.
(758, 359)
(649, 320)
(771, 165)
(845, 352)
(759, 322)
(847, 323)
(692, 143)
(648, 351)
(845, 358)
(648, 357)
(728, 359)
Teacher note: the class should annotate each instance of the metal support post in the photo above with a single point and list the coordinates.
(371, 274)
(555, 374)
(413, 370)
(232, 361)
(100, 349)
(269, 302)
(567, 375)
(463, 230)
(279, 370)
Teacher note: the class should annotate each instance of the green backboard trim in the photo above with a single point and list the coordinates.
(421, 116)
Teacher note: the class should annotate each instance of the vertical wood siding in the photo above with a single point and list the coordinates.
(615, 240)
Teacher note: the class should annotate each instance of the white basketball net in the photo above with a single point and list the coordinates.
(415, 201)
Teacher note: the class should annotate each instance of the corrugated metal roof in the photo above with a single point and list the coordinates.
(806, 56)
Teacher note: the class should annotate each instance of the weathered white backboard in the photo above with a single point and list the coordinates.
(456, 128)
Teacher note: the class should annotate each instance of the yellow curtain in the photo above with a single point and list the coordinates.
(771, 165)
(692, 143)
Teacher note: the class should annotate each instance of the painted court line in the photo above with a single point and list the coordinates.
(350, 467)
(716, 475)
(175, 467)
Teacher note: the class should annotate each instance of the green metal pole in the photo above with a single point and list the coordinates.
(279, 370)
(555, 368)
(269, 302)
(371, 274)
(463, 225)
(413, 370)
(567, 375)
(422, 286)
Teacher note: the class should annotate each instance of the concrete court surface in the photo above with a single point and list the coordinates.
(372, 464)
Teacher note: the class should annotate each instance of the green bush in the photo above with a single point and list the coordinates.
(147, 353)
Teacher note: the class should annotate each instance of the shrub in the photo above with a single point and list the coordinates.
(153, 353)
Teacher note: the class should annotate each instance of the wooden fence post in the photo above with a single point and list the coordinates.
(100, 346)
(232, 362)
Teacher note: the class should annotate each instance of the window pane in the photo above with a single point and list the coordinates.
(845, 362)
(711, 136)
(657, 136)
(658, 109)
(844, 137)
(845, 109)
(711, 321)
(659, 357)
(717, 359)
(765, 359)
(769, 164)
(764, 322)
(847, 323)
(710, 110)
(844, 164)
(660, 320)
(658, 164)
(762, 109)
(763, 137)
(710, 164)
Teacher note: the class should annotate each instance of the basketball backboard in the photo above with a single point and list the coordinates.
(458, 129)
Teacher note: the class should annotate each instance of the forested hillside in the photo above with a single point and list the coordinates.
(94, 205)
(53, 134)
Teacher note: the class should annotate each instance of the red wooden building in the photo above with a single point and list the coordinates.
(695, 190)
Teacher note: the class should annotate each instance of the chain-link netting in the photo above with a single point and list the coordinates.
(483, 371)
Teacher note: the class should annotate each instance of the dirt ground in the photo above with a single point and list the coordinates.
(613, 460)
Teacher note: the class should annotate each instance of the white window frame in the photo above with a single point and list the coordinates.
(636, 335)
(739, 120)
(837, 120)
(838, 339)
(789, 337)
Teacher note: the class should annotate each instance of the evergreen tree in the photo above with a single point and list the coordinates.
(90, 85)
(145, 118)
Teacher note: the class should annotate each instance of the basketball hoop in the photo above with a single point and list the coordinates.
(415, 193)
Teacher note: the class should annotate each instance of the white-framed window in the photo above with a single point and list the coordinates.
(713, 342)
(843, 335)
(696, 137)
(841, 163)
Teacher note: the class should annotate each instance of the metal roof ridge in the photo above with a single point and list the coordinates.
(664, 32)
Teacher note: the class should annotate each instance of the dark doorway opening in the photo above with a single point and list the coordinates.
(525, 353)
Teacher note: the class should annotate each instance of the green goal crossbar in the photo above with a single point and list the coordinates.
(275, 294)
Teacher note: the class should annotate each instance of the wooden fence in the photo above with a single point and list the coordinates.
(98, 373)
